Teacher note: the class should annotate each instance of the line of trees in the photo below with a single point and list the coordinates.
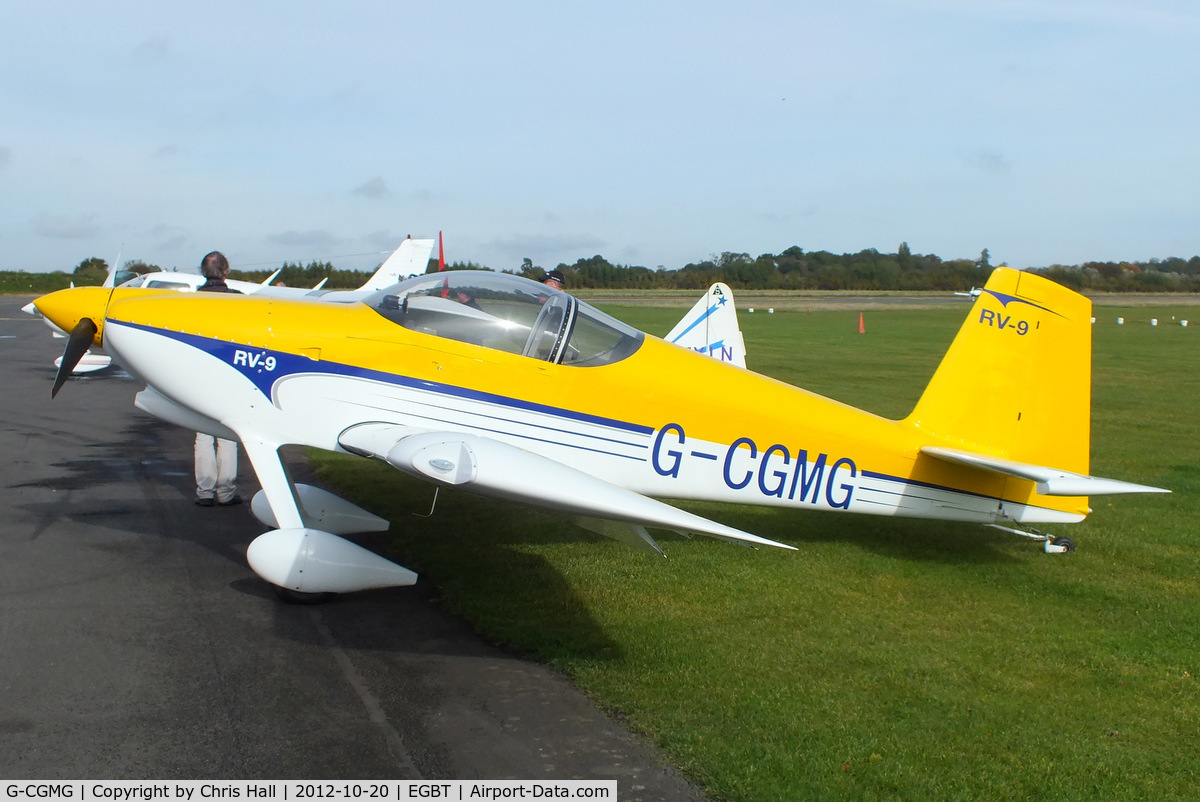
(793, 269)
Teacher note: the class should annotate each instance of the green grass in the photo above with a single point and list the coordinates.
(885, 658)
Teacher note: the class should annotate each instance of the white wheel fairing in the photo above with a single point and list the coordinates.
(312, 561)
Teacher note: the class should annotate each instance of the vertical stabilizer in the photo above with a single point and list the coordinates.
(412, 257)
(1016, 382)
(110, 280)
(711, 327)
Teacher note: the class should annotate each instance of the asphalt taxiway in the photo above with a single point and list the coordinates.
(135, 643)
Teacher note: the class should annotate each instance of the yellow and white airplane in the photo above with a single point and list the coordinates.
(509, 389)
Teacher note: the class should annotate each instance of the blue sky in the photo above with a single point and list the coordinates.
(653, 134)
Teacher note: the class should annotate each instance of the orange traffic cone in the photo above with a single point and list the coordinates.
(861, 328)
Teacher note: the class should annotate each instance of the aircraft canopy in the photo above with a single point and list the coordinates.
(507, 313)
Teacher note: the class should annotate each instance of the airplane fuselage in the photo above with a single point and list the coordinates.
(662, 421)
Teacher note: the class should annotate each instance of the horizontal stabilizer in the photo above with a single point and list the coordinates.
(494, 469)
(1050, 481)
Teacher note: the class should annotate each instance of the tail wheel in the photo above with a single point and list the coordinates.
(1064, 543)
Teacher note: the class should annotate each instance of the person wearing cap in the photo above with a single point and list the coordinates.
(555, 279)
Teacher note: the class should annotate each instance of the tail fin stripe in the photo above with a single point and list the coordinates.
(1005, 300)
(695, 323)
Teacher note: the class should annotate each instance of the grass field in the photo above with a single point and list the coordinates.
(887, 658)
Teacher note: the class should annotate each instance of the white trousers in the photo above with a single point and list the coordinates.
(216, 467)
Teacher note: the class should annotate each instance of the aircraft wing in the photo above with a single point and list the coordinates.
(1050, 481)
(494, 469)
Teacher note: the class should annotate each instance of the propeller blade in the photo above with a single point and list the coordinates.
(77, 345)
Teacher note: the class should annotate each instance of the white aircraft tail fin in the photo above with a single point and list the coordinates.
(110, 280)
(411, 257)
(711, 327)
